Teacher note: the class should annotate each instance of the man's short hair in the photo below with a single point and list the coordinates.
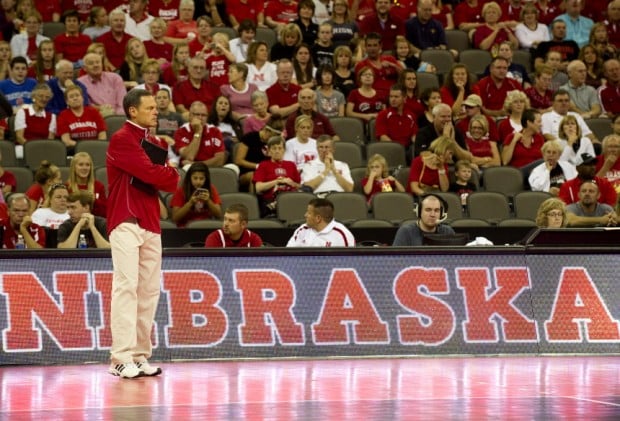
(498, 58)
(18, 60)
(246, 25)
(71, 13)
(373, 35)
(133, 98)
(398, 87)
(83, 196)
(240, 210)
(63, 63)
(15, 197)
(528, 115)
(323, 207)
(558, 93)
(275, 140)
(324, 138)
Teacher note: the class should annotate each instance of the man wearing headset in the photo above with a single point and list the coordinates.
(432, 211)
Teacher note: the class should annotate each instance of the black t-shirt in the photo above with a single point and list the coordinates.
(66, 228)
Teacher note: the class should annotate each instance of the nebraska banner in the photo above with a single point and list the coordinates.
(56, 310)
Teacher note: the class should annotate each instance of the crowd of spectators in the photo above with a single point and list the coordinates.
(224, 91)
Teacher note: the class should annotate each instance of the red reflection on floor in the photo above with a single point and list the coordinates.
(374, 389)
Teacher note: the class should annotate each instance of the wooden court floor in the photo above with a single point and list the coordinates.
(482, 388)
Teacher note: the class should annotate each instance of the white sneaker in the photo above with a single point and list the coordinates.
(127, 370)
(147, 369)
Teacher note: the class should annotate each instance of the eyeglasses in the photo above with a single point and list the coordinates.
(200, 114)
(555, 214)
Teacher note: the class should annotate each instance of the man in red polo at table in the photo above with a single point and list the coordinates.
(198, 141)
(493, 88)
(395, 124)
(195, 88)
(283, 94)
(71, 45)
(115, 40)
(20, 223)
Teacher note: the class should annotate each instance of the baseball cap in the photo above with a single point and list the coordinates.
(473, 100)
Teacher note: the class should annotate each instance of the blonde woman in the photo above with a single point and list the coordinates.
(429, 170)
(82, 177)
(515, 103)
(290, 39)
(492, 33)
(135, 56)
(301, 148)
(551, 214)
(484, 150)
(378, 178)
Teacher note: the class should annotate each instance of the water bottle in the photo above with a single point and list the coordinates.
(82, 242)
(20, 244)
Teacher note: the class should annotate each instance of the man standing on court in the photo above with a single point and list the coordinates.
(135, 235)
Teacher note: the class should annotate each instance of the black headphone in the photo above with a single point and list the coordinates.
(443, 209)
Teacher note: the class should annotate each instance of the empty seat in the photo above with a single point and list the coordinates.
(469, 223)
(358, 174)
(249, 200)
(114, 123)
(7, 150)
(392, 206)
(224, 179)
(394, 153)
(292, 206)
(526, 203)
(476, 60)
(349, 207)
(23, 178)
(97, 150)
(441, 59)
(455, 208)
(36, 151)
(524, 58)
(601, 127)
(264, 223)
(51, 29)
(402, 175)
(211, 224)
(226, 30)
(165, 224)
(371, 223)
(427, 80)
(65, 173)
(349, 129)
(457, 40)
(490, 206)
(372, 130)
(101, 174)
(507, 180)
(350, 153)
(266, 35)
(517, 222)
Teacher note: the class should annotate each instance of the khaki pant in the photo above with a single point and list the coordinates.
(136, 256)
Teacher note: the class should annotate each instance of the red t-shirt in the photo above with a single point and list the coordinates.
(482, 32)
(492, 96)
(538, 101)
(521, 155)
(83, 7)
(47, 9)
(217, 67)
(114, 49)
(87, 126)
(171, 79)
(415, 106)
(366, 105)
(479, 148)
(199, 211)
(185, 93)
(282, 97)
(210, 143)
(613, 175)
(219, 240)
(157, 51)
(423, 174)
(245, 10)
(269, 170)
(167, 10)
(9, 237)
(377, 187)
(73, 48)
(569, 191)
(464, 13)
(35, 193)
(385, 76)
(280, 12)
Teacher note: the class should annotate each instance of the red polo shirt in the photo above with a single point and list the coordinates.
(114, 49)
(72, 47)
(283, 96)
(210, 143)
(399, 127)
(493, 96)
(185, 93)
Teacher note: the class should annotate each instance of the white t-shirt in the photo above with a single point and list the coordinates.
(551, 123)
(264, 77)
(333, 235)
(300, 153)
(46, 217)
(315, 167)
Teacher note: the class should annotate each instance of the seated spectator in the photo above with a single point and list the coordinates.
(218, 62)
(33, 122)
(280, 12)
(239, 46)
(560, 109)
(492, 89)
(50, 10)
(97, 23)
(523, 147)
(177, 71)
(599, 39)
(303, 147)
(423, 31)
(583, 98)
(239, 91)
(492, 33)
(383, 23)
(150, 75)
(274, 176)
(202, 44)
(395, 123)
(105, 89)
(577, 26)
(197, 141)
(307, 104)
(5, 59)
(409, 81)
(588, 211)
(255, 121)
(608, 165)
(429, 170)
(82, 177)
(539, 93)
(574, 144)
(431, 210)
(345, 29)
(442, 126)
(156, 47)
(234, 231)
(567, 47)
(323, 49)
(429, 98)
(250, 11)
(304, 70)
(552, 173)
(25, 43)
(516, 71)
(364, 102)
(82, 222)
(168, 122)
(610, 92)
(321, 229)
(594, 66)
(115, 40)
(252, 150)
(71, 45)
(283, 95)
(472, 106)
(329, 102)
(378, 178)
(613, 22)
(483, 149)
(195, 88)
(138, 20)
(99, 49)
(19, 223)
(44, 65)
(553, 59)
(18, 87)
(261, 72)
(184, 29)
(457, 86)
(306, 22)
(344, 78)
(385, 67)
(45, 176)
(462, 186)
(8, 182)
(530, 32)
(324, 174)
(197, 198)
(516, 102)
(135, 57)
(221, 117)
(290, 38)
(586, 171)
(551, 214)
(468, 15)
(79, 122)
(54, 209)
